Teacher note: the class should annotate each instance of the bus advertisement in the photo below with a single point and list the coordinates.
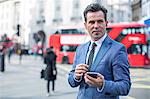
(132, 35)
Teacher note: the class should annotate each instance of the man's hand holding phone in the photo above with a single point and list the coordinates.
(80, 70)
(92, 74)
(94, 79)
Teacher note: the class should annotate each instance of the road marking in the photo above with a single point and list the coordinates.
(126, 97)
(140, 86)
(129, 97)
(63, 68)
(140, 79)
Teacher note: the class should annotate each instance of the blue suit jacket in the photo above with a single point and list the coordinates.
(112, 62)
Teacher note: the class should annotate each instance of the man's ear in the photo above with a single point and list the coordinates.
(85, 25)
(106, 23)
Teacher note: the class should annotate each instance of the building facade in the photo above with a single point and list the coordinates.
(140, 10)
(35, 15)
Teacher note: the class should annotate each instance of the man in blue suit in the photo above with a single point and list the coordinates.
(109, 61)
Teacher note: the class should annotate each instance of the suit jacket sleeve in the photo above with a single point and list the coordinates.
(120, 85)
(71, 79)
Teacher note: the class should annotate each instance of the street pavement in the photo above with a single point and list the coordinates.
(21, 80)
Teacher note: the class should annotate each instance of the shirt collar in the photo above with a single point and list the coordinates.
(99, 42)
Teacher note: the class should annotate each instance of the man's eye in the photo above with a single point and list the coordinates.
(100, 21)
(91, 22)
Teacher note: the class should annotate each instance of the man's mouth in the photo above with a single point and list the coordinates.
(96, 32)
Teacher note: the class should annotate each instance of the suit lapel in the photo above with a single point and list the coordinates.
(85, 50)
(102, 51)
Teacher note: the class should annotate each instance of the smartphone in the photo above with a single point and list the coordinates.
(92, 74)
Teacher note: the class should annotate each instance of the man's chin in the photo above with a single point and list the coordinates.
(96, 38)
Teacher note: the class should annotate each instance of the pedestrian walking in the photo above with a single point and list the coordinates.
(101, 67)
(20, 53)
(10, 52)
(2, 58)
(51, 70)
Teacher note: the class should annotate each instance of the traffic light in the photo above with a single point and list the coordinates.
(18, 29)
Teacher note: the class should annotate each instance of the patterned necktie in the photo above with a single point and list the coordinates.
(91, 55)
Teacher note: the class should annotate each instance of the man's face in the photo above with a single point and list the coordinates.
(96, 25)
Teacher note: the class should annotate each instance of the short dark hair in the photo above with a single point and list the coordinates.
(94, 7)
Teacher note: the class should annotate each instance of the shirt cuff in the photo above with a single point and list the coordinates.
(100, 90)
(76, 79)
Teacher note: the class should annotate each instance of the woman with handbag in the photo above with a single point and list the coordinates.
(51, 70)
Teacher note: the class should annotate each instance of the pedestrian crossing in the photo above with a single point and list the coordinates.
(140, 77)
(22, 81)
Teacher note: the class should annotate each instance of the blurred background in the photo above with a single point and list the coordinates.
(28, 27)
(27, 17)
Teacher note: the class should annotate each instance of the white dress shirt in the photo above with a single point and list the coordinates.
(98, 43)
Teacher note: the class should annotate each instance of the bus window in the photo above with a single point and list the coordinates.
(68, 48)
(108, 30)
(138, 49)
(134, 49)
(64, 48)
(135, 30)
(132, 30)
(57, 32)
(142, 30)
(129, 31)
(122, 35)
(145, 50)
(125, 32)
(70, 31)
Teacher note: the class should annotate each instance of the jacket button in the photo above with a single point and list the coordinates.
(107, 93)
(86, 86)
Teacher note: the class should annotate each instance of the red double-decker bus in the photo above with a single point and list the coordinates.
(132, 35)
(65, 41)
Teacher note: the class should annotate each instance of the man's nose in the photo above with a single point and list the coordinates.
(96, 25)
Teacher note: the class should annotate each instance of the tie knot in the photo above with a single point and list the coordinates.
(94, 45)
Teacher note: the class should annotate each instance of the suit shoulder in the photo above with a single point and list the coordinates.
(82, 45)
(117, 43)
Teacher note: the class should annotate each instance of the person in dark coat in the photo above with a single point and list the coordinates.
(50, 71)
(2, 59)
